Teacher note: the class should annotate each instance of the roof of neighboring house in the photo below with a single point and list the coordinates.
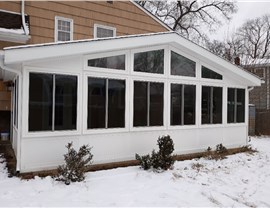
(259, 63)
(45, 51)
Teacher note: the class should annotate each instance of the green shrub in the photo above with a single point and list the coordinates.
(145, 161)
(75, 164)
(161, 160)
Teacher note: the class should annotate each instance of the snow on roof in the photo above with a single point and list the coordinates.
(259, 62)
(14, 31)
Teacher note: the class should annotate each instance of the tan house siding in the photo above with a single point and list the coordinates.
(123, 15)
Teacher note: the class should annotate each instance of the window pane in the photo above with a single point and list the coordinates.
(156, 104)
(63, 36)
(240, 105)
(112, 62)
(206, 105)
(140, 104)
(96, 103)
(176, 104)
(116, 103)
(150, 61)
(40, 102)
(182, 66)
(210, 74)
(104, 32)
(231, 104)
(189, 104)
(217, 105)
(65, 102)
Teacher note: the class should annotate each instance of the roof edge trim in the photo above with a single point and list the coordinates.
(151, 15)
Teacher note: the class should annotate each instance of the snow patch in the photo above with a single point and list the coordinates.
(241, 180)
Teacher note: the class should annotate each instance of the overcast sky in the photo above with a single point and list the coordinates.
(247, 9)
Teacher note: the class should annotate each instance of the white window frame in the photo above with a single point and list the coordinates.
(107, 70)
(147, 74)
(56, 27)
(29, 134)
(88, 74)
(104, 27)
(192, 58)
(164, 126)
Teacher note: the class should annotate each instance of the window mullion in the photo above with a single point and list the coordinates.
(106, 103)
(53, 103)
(148, 103)
(182, 104)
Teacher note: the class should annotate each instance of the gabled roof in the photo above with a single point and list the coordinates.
(27, 53)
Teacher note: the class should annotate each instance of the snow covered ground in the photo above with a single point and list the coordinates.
(239, 180)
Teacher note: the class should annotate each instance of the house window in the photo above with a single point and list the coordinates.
(52, 102)
(148, 104)
(210, 74)
(63, 29)
(183, 99)
(236, 105)
(102, 31)
(211, 105)
(182, 66)
(106, 103)
(112, 62)
(150, 62)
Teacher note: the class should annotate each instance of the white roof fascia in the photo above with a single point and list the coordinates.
(51, 50)
(43, 51)
(14, 37)
(151, 15)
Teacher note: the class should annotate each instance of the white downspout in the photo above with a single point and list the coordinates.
(25, 28)
(2, 66)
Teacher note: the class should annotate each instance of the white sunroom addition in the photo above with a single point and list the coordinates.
(120, 94)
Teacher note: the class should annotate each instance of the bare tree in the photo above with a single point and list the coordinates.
(250, 42)
(254, 39)
(192, 18)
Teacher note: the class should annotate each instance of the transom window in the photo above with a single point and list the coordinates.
(236, 105)
(112, 62)
(52, 102)
(103, 31)
(149, 61)
(106, 103)
(210, 74)
(148, 104)
(211, 105)
(183, 100)
(63, 29)
(182, 66)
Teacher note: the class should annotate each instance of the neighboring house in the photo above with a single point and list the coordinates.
(260, 96)
(119, 94)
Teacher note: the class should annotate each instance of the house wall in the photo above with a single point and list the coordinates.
(44, 150)
(123, 15)
(260, 96)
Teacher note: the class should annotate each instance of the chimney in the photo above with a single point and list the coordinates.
(237, 61)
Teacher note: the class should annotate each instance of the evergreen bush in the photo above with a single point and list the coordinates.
(161, 160)
(74, 168)
(145, 161)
